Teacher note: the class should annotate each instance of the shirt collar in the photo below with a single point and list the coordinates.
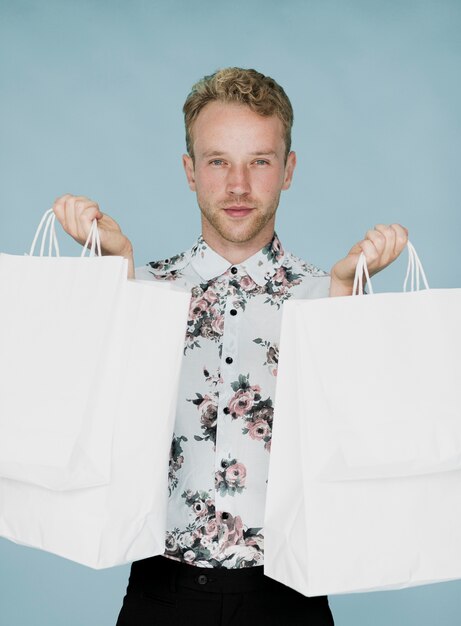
(260, 267)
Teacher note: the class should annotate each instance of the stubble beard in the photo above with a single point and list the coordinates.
(238, 232)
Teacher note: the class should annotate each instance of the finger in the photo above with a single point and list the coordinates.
(74, 206)
(59, 209)
(378, 239)
(82, 203)
(86, 218)
(86, 211)
(401, 238)
(370, 251)
(69, 208)
(389, 233)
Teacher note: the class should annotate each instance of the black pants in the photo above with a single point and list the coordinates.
(162, 592)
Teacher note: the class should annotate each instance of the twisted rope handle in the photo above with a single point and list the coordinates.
(415, 272)
(47, 228)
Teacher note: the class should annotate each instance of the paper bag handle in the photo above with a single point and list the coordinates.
(47, 228)
(415, 272)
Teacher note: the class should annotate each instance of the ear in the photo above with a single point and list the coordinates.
(188, 165)
(289, 169)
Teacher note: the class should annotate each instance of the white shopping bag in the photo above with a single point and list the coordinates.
(364, 489)
(55, 318)
(137, 377)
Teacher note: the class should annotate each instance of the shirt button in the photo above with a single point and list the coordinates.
(233, 312)
(229, 360)
(202, 579)
(226, 410)
(234, 270)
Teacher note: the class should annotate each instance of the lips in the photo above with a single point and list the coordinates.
(238, 211)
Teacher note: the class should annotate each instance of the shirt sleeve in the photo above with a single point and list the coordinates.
(320, 287)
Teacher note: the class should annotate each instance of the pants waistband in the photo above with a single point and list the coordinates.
(149, 572)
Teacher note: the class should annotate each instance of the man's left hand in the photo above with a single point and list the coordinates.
(381, 247)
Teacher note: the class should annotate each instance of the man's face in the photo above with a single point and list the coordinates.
(239, 170)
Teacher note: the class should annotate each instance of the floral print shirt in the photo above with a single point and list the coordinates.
(221, 446)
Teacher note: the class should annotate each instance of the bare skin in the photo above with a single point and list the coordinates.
(76, 214)
(238, 173)
(239, 161)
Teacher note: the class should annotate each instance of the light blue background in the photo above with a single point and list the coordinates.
(91, 97)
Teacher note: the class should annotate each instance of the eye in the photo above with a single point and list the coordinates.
(216, 162)
(262, 162)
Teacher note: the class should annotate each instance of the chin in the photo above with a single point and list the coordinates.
(241, 235)
(239, 231)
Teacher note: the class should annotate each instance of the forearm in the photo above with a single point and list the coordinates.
(339, 288)
(131, 267)
(126, 253)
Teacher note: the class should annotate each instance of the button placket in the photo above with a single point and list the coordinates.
(228, 373)
(229, 352)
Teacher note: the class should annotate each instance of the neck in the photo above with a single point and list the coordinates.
(236, 252)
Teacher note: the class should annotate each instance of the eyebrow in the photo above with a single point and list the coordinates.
(214, 153)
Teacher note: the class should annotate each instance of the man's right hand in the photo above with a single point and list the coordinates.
(76, 214)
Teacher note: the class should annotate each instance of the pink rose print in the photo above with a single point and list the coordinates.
(205, 317)
(259, 429)
(206, 328)
(279, 285)
(208, 415)
(210, 295)
(242, 401)
(198, 307)
(231, 478)
(280, 276)
(206, 403)
(247, 284)
(231, 530)
(215, 539)
(235, 474)
(189, 556)
(200, 508)
(196, 292)
(246, 403)
(274, 250)
(243, 556)
(277, 247)
(211, 528)
(217, 323)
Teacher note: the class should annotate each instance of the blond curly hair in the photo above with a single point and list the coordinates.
(242, 86)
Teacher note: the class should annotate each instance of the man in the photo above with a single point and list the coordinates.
(238, 136)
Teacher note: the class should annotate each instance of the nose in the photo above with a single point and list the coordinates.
(238, 181)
